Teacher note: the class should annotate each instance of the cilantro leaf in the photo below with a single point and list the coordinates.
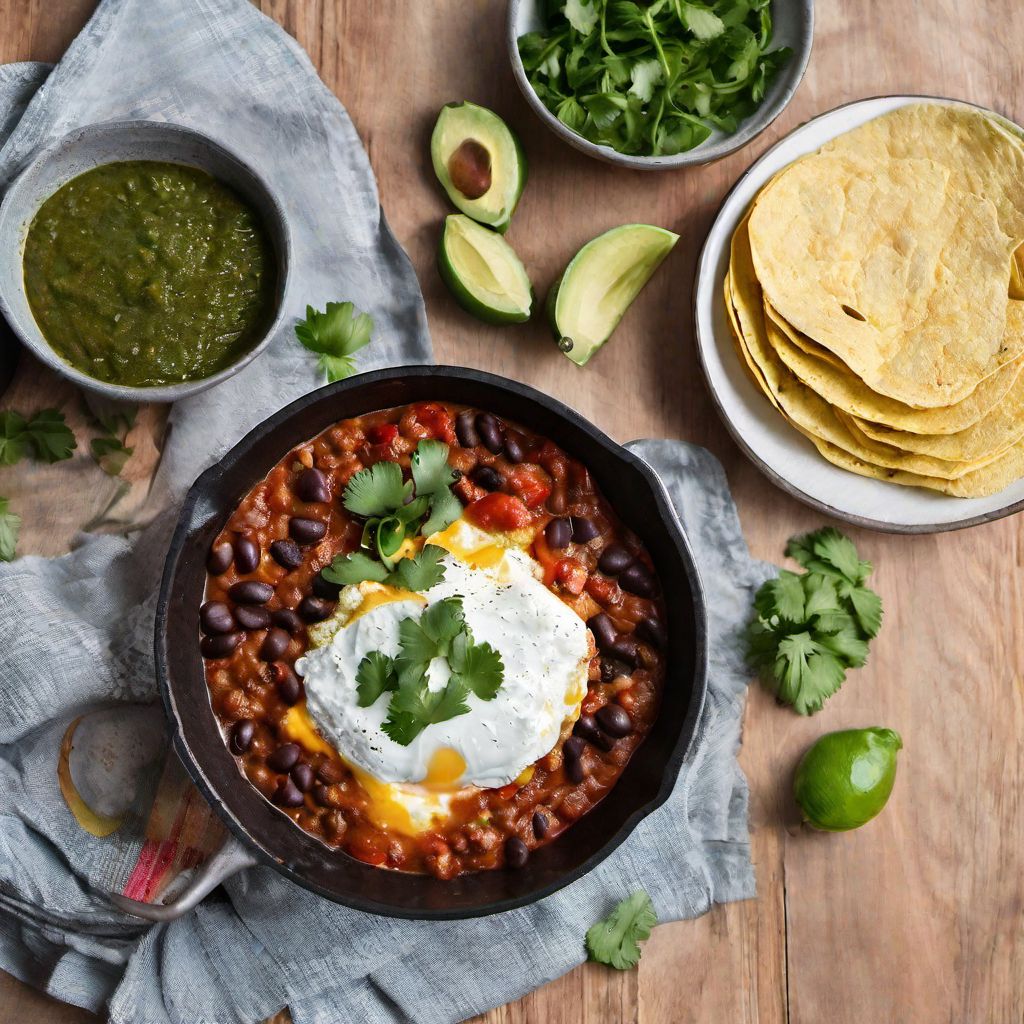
(701, 21)
(613, 941)
(377, 491)
(445, 508)
(443, 622)
(806, 673)
(418, 648)
(112, 417)
(51, 436)
(479, 666)
(335, 335)
(110, 454)
(13, 439)
(782, 596)
(582, 15)
(10, 524)
(375, 675)
(867, 606)
(354, 568)
(413, 708)
(421, 572)
(430, 469)
(830, 553)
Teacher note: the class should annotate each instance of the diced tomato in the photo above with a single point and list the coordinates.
(509, 791)
(571, 574)
(604, 590)
(497, 511)
(383, 433)
(593, 701)
(429, 420)
(531, 484)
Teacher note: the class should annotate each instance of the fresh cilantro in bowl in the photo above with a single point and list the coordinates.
(652, 79)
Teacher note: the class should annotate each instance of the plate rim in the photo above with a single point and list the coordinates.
(704, 268)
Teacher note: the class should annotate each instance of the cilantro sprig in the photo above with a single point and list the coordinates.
(811, 627)
(613, 941)
(417, 573)
(652, 78)
(46, 436)
(441, 632)
(335, 335)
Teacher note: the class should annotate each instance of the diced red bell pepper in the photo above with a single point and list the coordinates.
(499, 512)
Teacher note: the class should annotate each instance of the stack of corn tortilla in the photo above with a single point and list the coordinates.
(876, 295)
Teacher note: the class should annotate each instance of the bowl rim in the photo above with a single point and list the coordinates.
(33, 338)
(762, 118)
(674, 532)
(705, 268)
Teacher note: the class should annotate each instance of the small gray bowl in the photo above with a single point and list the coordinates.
(111, 142)
(793, 27)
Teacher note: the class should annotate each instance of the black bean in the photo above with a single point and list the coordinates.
(558, 533)
(322, 795)
(252, 616)
(286, 553)
(275, 643)
(251, 592)
(614, 559)
(303, 777)
(216, 617)
(487, 478)
(612, 668)
(465, 429)
(287, 619)
(624, 649)
(540, 824)
(587, 727)
(314, 609)
(514, 450)
(311, 486)
(242, 733)
(219, 646)
(653, 631)
(614, 720)
(517, 853)
(289, 686)
(220, 558)
(325, 589)
(603, 629)
(306, 531)
(574, 769)
(584, 529)
(637, 579)
(247, 556)
(284, 758)
(573, 747)
(491, 432)
(288, 794)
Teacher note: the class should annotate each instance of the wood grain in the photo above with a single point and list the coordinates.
(918, 917)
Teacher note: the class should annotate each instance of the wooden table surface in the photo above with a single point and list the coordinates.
(920, 915)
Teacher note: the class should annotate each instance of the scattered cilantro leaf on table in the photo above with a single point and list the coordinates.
(45, 435)
(10, 524)
(613, 941)
(810, 628)
(110, 453)
(13, 439)
(335, 335)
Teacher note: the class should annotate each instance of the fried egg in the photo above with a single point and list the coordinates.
(545, 650)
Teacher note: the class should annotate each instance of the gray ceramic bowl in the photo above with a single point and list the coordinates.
(97, 144)
(793, 27)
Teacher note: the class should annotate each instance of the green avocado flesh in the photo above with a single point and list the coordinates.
(590, 298)
(479, 162)
(144, 273)
(483, 272)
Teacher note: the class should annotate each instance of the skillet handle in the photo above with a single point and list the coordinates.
(229, 859)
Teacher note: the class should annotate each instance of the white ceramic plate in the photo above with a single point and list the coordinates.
(784, 455)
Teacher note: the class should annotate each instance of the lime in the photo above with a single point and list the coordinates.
(845, 779)
(483, 272)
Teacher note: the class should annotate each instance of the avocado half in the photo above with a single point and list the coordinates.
(483, 272)
(587, 302)
(479, 162)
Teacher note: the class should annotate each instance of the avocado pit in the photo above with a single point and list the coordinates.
(469, 168)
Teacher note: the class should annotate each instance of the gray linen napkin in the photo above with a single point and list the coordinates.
(263, 942)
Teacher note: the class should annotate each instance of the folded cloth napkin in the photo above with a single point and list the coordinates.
(76, 631)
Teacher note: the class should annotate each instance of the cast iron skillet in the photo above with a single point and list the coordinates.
(638, 498)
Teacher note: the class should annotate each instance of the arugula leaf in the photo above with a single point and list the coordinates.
(613, 941)
(10, 524)
(810, 628)
(13, 439)
(348, 569)
(335, 335)
(51, 436)
(420, 572)
(375, 675)
(110, 453)
(479, 666)
(377, 491)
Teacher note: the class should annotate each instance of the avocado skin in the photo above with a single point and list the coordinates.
(481, 129)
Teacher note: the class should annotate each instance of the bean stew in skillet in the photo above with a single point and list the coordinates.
(548, 593)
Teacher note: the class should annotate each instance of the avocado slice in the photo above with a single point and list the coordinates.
(479, 162)
(483, 272)
(587, 302)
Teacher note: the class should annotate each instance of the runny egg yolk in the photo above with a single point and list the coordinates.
(485, 556)
(383, 593)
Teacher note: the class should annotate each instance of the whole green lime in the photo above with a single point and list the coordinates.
(845, 779)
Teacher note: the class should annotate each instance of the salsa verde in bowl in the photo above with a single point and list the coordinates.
(142, 260)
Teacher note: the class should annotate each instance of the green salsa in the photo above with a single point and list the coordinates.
(144, 273)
